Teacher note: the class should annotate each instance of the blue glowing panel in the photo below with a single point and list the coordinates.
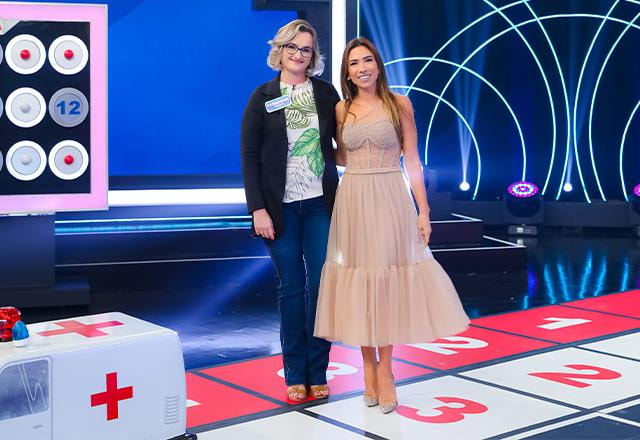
(176, 100)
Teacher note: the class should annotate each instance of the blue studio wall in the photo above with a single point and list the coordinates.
(180, 74)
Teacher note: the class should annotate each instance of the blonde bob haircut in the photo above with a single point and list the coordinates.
(284, 36)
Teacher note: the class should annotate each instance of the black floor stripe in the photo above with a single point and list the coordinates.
(343, 425)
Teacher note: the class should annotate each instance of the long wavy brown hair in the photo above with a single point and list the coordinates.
(350, 90)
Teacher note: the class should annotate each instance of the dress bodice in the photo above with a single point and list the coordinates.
(371, 142)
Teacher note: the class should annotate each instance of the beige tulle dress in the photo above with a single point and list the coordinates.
(380, 284)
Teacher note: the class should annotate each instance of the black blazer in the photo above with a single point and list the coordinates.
(264, 148)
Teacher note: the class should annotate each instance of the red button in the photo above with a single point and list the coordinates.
(68, 159)
(68, 54)
(25, 54)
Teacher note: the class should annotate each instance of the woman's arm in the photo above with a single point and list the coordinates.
(251, 136)
(413, 166)
(341, 152)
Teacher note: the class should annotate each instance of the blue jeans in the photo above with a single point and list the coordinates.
(298, 256)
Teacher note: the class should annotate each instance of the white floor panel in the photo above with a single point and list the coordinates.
(446, 408)
(628, 345)
(289, 426)
(571, 375)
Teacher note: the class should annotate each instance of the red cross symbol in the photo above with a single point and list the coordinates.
(87, 330)
(112, 396)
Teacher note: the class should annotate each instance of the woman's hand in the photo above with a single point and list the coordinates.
(424, 227)
(262, 224)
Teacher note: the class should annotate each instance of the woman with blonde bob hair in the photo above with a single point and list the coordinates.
(285, 36)
(380, 285)
(290, 181)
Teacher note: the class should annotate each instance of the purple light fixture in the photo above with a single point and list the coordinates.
(523, 190)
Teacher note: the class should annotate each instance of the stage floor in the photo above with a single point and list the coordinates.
(564, 371)
(225, 314)
(225, 310)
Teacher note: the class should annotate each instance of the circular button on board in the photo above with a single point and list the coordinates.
(1, 107)
(68, 107)
(26, 107)
(25, 54)
(26, 160)
(68, 54)
(68, 160)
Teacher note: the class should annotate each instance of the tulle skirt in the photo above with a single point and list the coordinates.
(380, 284)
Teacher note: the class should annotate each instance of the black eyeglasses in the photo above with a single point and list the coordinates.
(292, 48)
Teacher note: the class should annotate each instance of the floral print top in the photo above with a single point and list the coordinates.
(305, 162)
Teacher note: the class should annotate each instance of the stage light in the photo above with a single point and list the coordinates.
(568, 187)
(464, 186)
(523, 205)
(634, 210)
(523, 189)
(635, 201)
(621, 155)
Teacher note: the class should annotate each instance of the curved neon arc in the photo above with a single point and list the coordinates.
(481, 78)
(471, 55)
(566, 103)
(575, 101)
(546, 83)
(550, 17)
(460, 32)
(624, 137)
(464, 121)
(593, 101)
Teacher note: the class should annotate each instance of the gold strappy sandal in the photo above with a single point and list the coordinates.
(319, 391)
(297, 393)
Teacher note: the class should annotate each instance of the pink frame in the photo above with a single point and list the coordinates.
(96, 15)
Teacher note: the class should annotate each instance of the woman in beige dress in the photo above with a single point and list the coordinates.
(380, 285)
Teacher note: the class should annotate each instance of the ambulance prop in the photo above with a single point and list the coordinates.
(107, 376)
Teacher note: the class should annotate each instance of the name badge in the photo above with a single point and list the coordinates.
(277, 104)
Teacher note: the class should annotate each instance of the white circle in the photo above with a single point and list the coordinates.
(568, 187)
(25, 71)
(60, 173)
(52, 54)
(25, 159)
(65, 120)
(35, 174)
(37, 119)
(464, 186)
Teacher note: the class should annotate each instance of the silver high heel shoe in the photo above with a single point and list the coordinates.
(370, 400)
(390, 405)
(387, 407)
